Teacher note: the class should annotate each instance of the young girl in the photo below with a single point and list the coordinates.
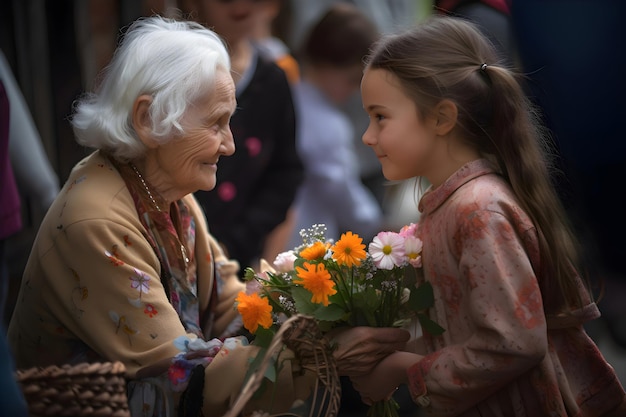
(497, 249)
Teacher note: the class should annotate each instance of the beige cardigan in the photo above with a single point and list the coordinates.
(81, 298)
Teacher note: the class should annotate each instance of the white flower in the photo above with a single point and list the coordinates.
(387, 250)
(413, 250)
(284, 261)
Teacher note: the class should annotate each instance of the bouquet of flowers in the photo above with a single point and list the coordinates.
(342, 283)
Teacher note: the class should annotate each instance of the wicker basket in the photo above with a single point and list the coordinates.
(300, 334)
(86, 389)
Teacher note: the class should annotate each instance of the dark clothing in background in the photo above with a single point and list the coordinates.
(10, 212)
(256, 186)
(572, 51)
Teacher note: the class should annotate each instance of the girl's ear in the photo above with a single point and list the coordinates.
(446, 114)
(141, 120)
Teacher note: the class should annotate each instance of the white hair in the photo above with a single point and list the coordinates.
(175, 62)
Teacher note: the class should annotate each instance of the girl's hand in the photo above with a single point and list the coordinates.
(359, 349)
(385, 378)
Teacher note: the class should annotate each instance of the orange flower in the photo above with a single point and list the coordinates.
(315, 251)
(255, 311)
(316, 279)
(349, 250)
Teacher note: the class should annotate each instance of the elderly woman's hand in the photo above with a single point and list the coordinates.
(359, 349)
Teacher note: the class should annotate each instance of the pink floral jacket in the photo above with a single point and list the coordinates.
(500, 356)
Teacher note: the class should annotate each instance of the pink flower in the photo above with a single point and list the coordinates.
(253, 286)
(409, 230)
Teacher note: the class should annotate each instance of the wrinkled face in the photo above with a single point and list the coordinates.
(189, 163)
(232, 19)
(404, 142)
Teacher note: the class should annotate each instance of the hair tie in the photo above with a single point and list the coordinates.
(483, 67)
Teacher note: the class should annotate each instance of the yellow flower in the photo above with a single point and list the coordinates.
(316, 279)
(315, 251)
(255, 311)
(349, 250)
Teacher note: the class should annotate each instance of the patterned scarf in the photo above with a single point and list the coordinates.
(170, 235)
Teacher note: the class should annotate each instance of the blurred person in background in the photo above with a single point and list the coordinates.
(10, 209)
(37, 183)
(397, 199)
(331, 59)
(271, 27)
(12, 401)
(35, 176)
(255, 187)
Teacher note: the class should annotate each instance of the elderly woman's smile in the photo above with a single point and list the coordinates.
(188, 162)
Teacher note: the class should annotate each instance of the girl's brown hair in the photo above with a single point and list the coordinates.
(448, 58)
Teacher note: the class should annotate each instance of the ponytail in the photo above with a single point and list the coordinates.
(525, 155)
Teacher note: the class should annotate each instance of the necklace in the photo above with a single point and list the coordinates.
(145, 186)
(183, 250)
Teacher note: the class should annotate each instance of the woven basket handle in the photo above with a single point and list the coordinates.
(300, 334)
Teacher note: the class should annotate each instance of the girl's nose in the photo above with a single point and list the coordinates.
(368, 138)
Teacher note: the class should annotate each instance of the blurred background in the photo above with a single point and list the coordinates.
(572, 52)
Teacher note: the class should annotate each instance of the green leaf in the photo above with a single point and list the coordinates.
(263, 337)
(302, 299)
(422, 297)
(270, 371)
(326, 326)
(366, 318)
(367, 300)
(364, 306)
(331, 312)
(429, 325)
(338, 299)
(300, 262)
(255, 364)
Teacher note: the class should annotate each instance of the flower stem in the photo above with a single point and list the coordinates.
(385, 408)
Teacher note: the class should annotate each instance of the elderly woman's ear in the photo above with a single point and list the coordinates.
(142, 122)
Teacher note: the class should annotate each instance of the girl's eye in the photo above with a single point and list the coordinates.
(379, 117)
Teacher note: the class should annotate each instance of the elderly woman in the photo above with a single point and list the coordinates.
(123, 267)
